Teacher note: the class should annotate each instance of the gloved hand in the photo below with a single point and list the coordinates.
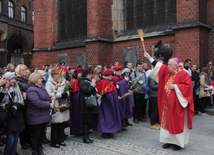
(209, 88)
(64, 95)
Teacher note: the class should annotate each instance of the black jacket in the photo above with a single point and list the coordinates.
(87, 89)
(15, 121)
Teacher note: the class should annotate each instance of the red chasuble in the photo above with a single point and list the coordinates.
(171, 113)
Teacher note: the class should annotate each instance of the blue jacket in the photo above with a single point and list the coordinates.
(38, 105)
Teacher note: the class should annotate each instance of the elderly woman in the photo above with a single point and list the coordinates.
(13, 100)
(38, 111)
(22, 73)
(56, 87)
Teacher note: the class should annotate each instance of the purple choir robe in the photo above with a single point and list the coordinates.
(109, 120)
(75, 114)
(123, 89)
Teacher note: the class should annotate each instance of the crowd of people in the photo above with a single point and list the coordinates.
(61, 97)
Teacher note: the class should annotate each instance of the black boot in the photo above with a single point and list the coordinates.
(123, 125)
(85, 134)
(90, 140)
(128, 123)
(86, 140)
(45, 140)
(40, 151)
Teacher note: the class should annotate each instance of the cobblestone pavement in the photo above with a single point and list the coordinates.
(138, 140)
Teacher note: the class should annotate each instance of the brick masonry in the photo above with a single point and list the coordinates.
(194, 42)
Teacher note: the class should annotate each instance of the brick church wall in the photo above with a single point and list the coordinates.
(194, 42)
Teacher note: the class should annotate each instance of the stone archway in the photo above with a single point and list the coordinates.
(18, 50)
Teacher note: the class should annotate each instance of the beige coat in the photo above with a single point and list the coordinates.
(203, 85)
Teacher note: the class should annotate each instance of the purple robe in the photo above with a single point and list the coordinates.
(75, 114)
(125, 104)
(123, 89)
(128, 108)
(109, 120)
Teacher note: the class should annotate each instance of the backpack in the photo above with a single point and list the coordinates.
(197, 87)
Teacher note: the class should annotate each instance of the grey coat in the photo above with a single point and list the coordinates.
(153, 85)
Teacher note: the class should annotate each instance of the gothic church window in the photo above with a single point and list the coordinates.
(150, 13)
(72, 19)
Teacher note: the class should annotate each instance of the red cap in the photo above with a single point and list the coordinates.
(107, 72)
(64, 69)
(117, 68)
(79, 69)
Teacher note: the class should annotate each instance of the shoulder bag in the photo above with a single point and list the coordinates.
(90, 101)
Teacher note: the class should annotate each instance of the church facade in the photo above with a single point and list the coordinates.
(16, 32)
(92, 32)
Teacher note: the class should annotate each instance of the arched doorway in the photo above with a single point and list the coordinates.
(19, 50)
(15, 56)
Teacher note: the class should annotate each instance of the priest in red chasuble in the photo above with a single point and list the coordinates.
(175, 102)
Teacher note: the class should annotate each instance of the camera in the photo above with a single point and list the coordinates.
(8, 107)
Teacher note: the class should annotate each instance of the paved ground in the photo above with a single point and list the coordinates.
(138, 140)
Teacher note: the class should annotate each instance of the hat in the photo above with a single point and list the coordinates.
(99, 66)
(86, 71)
(63, 69)
(176, 59)
(78, 69)
(107, 72)
(9, 75)
(96, 71)
(126, 70)
(117, 68)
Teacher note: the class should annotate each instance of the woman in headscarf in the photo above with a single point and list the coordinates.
(14, 103)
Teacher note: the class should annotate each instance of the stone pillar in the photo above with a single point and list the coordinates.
(3, 57)
(27, 59)
(191, 32)
(118, 17)
(99, 18)
(99, 31)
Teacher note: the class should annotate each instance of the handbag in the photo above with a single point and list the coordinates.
(4, 115)
(90, 101)
(64, 105)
